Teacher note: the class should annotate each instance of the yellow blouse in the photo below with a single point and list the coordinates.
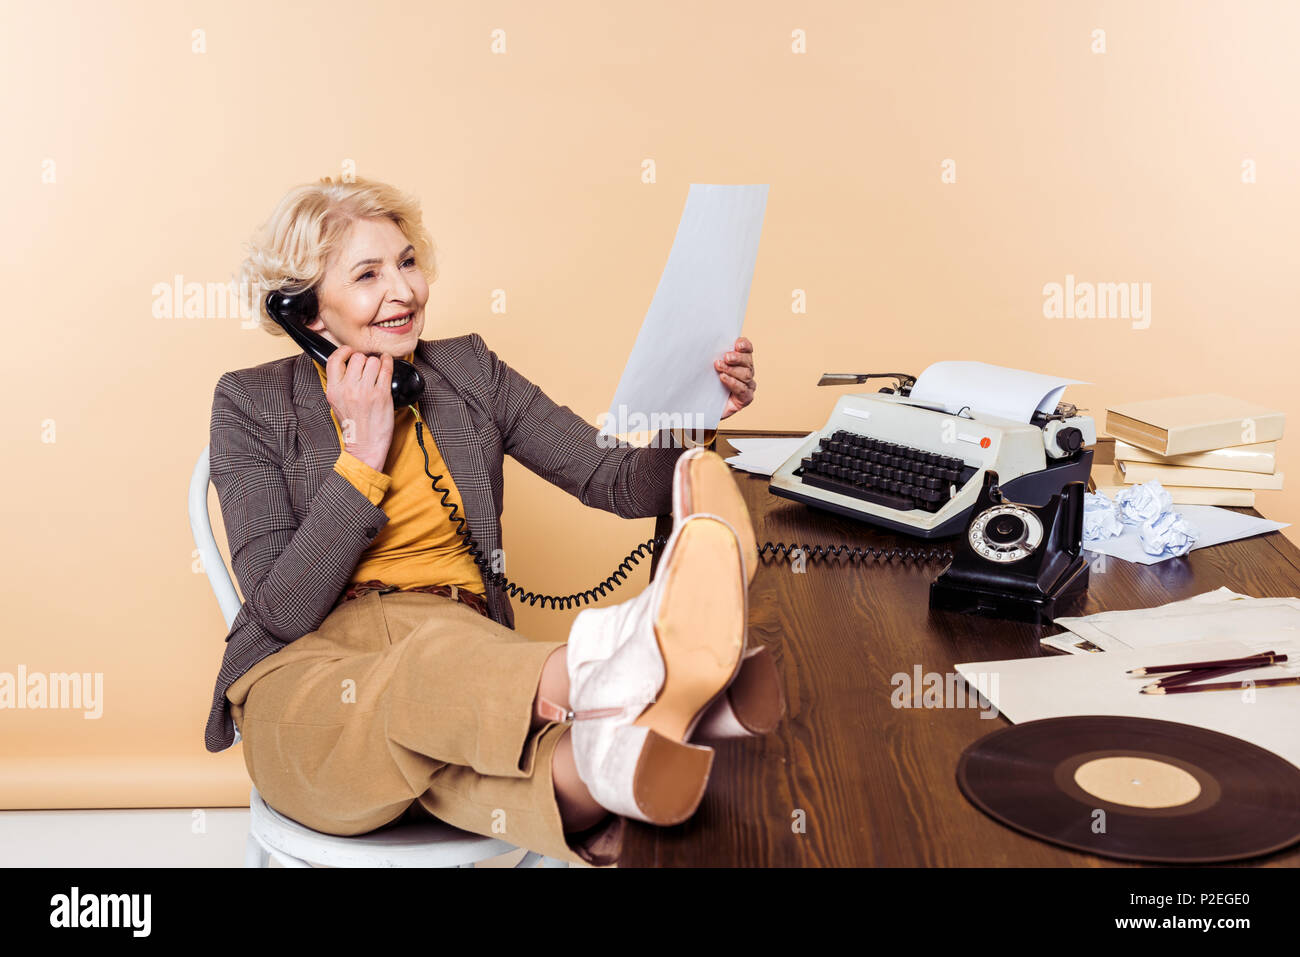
(419, 545)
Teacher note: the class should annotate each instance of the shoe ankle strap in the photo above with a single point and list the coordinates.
(551, 711)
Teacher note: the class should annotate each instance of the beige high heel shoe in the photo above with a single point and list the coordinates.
(643, 673)
(754, 703)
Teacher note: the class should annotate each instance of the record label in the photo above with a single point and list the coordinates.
(1137, 782)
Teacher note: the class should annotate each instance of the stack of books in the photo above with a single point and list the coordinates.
(1203, 449)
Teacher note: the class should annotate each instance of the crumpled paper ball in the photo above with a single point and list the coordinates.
(1101, 518)
(1170, 535)
(1143, 503)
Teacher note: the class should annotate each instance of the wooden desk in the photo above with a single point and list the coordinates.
(877, 784)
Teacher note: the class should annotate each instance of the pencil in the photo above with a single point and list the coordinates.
(1204, 674)
(1222, 686)
(1192, 665)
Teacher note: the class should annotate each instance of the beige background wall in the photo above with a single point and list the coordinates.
(1117, 166)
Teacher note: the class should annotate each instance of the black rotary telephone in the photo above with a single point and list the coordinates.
(292, 311)
(1016, 561)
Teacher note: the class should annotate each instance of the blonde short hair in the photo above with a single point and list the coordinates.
(291, 249)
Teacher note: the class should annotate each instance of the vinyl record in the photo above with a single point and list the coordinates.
(1135, 789)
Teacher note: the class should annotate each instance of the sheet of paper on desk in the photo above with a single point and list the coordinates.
(1216, 525)
(696, 315)
(995, 390)
(1030, 689)
(1197, 619)
(1079, 638)
(764, 456)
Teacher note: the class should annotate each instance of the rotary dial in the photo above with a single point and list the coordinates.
(1005, 533)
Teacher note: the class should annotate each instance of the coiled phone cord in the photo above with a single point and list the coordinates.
(856, 553)
(814, 553)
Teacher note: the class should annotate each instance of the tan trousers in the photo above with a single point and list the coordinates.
(409, 705)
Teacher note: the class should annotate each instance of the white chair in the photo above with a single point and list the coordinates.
(270, 833)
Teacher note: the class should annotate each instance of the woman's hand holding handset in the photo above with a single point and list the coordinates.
(359, 389)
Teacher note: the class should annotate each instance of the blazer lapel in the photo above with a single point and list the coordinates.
(318, 440)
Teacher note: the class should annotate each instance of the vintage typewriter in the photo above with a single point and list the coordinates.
(917, 469)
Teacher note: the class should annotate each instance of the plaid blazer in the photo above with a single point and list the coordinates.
(297, 528)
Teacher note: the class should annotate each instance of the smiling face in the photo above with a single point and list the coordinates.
(373, 278)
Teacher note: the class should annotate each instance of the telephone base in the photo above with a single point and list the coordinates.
(1037, 609)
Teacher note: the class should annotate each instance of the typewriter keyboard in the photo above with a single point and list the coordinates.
(896, 476)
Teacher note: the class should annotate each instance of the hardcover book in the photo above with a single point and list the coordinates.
(1193, 423)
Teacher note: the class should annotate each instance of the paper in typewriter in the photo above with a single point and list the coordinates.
(696, 315)
(994, 390)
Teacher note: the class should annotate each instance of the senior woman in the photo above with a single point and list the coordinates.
(373, 672)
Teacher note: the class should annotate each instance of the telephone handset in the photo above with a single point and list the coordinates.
(294, 311)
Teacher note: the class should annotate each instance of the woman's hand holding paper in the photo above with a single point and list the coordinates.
(736, 370)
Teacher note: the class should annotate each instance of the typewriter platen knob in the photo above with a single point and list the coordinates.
(1069, 439)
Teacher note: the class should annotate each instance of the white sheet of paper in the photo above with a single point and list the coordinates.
(1030, 689)
(1217, 525)
(696, 315)
(764, 456)
(994, 390)
(1192, 620)
(1089, 634)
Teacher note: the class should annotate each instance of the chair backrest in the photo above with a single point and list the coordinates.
(213, 562)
